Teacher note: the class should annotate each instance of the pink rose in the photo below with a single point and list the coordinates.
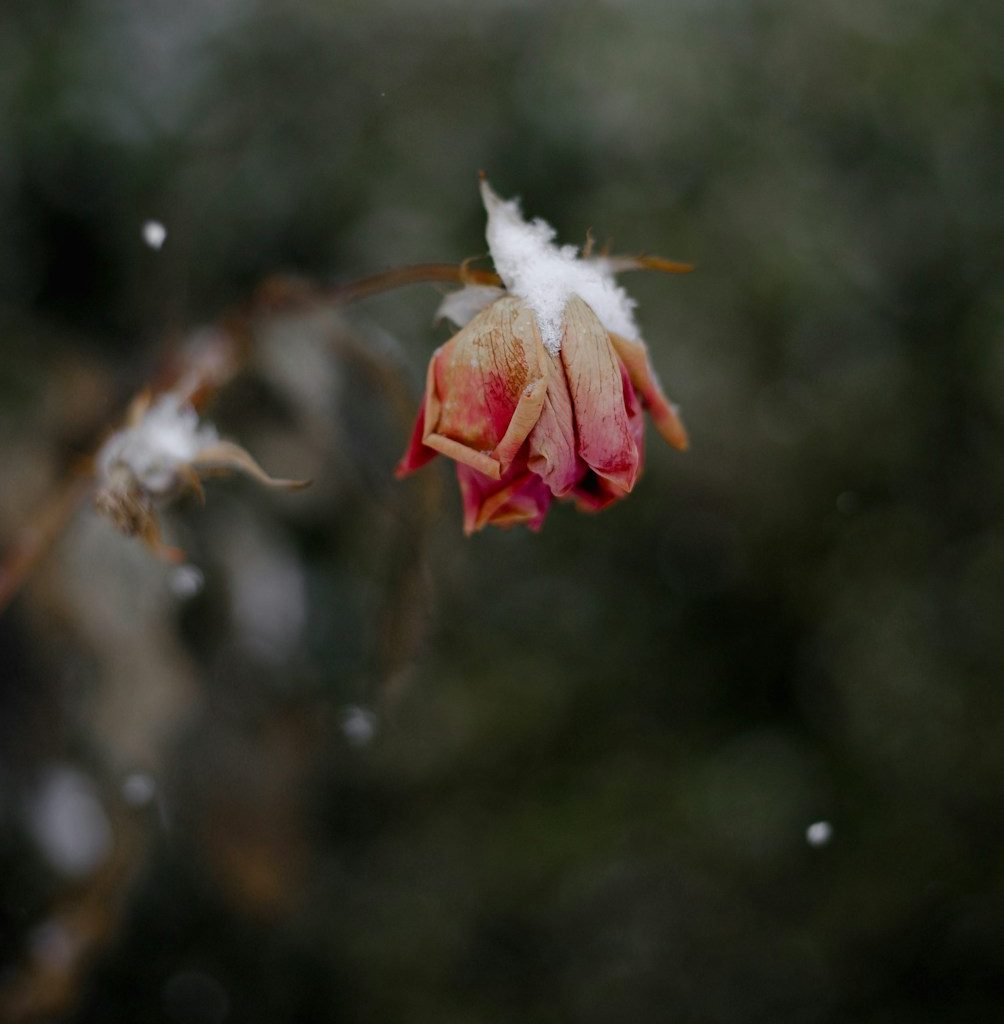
(526, 425)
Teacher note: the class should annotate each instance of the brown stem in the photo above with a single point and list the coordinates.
(35, 540)
(464, 274)
(399, 277)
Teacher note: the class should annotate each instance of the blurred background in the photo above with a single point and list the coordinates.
(730, 751)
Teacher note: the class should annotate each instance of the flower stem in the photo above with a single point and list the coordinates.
(34, 541)
(464, 274)
(418, 273)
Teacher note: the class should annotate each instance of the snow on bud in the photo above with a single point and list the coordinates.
(162, 451)
(539, 394)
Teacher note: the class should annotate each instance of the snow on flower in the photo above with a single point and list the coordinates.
(546, 276)
(162, 451)
(539, 395)
(158, 446)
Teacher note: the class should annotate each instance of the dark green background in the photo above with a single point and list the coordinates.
(598, 749)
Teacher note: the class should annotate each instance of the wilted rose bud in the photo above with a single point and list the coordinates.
(162, 451)
(538, 396)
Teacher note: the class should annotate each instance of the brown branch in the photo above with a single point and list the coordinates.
(33, 541)
(399, 277)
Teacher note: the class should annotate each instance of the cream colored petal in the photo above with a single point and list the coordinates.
(481, 378)
(603, 430)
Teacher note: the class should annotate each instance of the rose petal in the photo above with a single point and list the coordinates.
(551, 449)
(664, 415)
(605, 438)
(524, 419)
(418, 453)
(520, 497)
(478, 382)
(593, 492)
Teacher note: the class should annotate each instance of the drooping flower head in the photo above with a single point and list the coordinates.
(539, 395)
(162, 450)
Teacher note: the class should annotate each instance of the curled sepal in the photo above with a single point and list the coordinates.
(619, 264)
(227, 457)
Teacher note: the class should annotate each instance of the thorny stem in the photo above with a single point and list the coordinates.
(275, 294)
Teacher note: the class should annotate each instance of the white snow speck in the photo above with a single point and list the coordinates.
(268, 591)
(819, 833)
(69, 824)
(359, 725)
(546, 276)
(165, 439)
(154, 234)
(186, 581)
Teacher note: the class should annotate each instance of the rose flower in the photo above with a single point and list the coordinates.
(539, 395)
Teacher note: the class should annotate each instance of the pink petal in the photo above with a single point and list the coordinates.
(483, 371)
(551, 447)
(484, 391)
(606, 441)
(417, 454)
(593, 492)
(664, 415)
(520, 497)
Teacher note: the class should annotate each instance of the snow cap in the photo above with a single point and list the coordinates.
(167, 437)
(546, 276)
